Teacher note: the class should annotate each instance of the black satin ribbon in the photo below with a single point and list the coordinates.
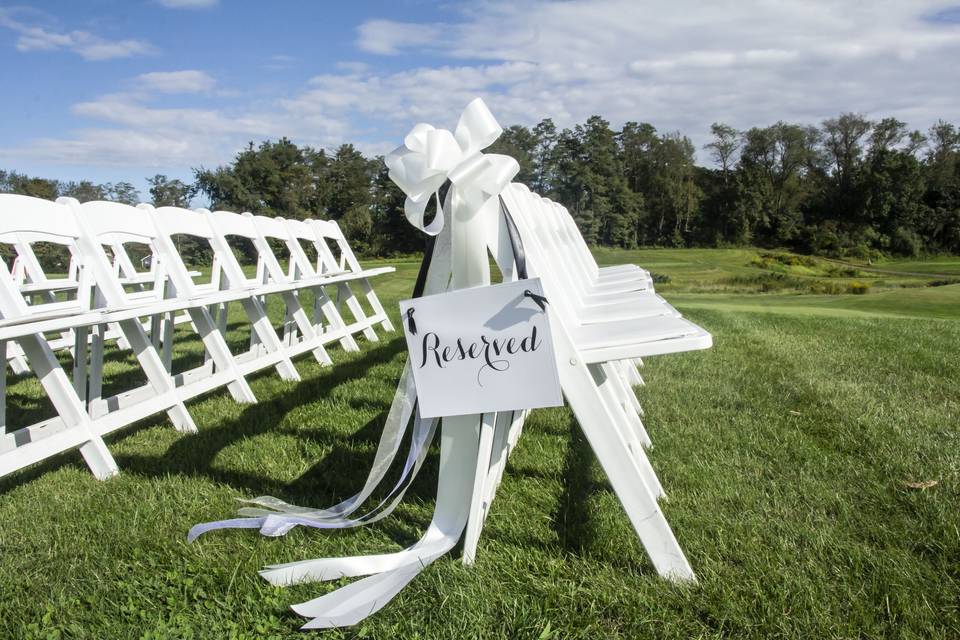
(411, 324)
(516, 244)
(541, 301)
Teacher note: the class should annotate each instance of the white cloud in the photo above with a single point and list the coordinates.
(679, 65)
(388, 37)
(188, 4)
(187, 81)
(279, 62)
(133, 132)
(85, 44)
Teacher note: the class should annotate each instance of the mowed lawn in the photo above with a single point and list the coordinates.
(787, 452)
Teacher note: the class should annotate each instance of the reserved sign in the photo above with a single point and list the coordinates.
(482, 350)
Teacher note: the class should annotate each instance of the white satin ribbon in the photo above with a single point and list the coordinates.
(430, 156)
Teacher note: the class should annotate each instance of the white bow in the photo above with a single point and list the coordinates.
(430, 156)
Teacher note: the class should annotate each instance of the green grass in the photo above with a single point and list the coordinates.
(785, 451)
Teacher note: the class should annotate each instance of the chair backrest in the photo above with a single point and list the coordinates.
(278, 230)
(564, 258)
(521, 205)
(18, 211)
(329, 231)
(169, 222)
(35, 220)
(228, 223)
(25, 220)
(303, 234)
(112, 224)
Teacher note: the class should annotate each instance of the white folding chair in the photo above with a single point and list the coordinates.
(270, 277)
(582, 351)
(24, 219)
(328, 232)
(233, 286)
(109, 224)
(301, 272)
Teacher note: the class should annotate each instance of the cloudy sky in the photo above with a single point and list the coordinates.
(121, 89)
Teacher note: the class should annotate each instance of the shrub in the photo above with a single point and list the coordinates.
(837, 271)
(906, 242)
(825, 287)
(766, 282)
(659, 278)
(943, 283)
(858, 288)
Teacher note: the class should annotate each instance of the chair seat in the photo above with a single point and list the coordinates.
(623, 285)
(49, 285)
(617, 268)
(607, 277)
(641, 305)
(625, 332)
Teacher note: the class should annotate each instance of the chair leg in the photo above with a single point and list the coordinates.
(80, 354)
(335, 321)
(97, 345)
(156, 372)
(267, 336)
(216, 346)
(345, 293)
(626, 431)
(623, 394)
(620, 466)
(375, 304)
(299, 320)
(65, 400)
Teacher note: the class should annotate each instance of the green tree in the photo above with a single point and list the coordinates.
(167, 192)
(674, 197)
(519, 143)
(274, 179)
(774, 164)
(83, 191)
(545, 139)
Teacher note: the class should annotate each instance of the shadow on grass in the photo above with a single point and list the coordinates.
(572, 519)
(337, 475)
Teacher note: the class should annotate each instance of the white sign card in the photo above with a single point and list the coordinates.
(481, 350)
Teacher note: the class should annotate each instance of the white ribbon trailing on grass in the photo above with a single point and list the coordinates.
(428, 158)
(420, 168)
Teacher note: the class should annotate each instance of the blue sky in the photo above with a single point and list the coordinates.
(112, 90)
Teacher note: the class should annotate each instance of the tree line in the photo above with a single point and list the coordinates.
(849, 186)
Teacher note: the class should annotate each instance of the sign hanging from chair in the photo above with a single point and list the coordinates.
(481, 350)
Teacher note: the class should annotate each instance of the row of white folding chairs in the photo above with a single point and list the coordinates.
(103, 304)
(609, 318)
(35, 282)
(595, 353)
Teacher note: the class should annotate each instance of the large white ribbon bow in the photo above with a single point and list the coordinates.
(429, 156)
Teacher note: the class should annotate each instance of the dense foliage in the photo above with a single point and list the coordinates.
(850, 186)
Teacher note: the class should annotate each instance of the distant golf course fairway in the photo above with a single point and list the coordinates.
(792, 453)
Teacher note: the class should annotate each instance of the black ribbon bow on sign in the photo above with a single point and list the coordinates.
(540, 300)
(411, 325)
(519, 257)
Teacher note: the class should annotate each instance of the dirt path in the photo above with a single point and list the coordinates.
(891, 272)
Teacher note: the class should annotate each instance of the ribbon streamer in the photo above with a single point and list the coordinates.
(428, 158)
